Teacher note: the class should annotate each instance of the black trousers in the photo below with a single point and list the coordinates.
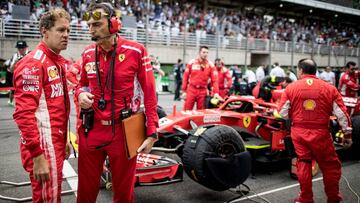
(177, 90)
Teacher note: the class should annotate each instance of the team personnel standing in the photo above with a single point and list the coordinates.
(309, 103)
(195, 80)
(250, 79)
(277, 71)
(155, 63)
(178, 72)
(42, 107)
(116, 77)
(224, 78)
(260, 72)
(348, 82)
(328, 75)
(22, 51)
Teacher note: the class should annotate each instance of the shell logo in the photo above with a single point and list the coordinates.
(309, 104)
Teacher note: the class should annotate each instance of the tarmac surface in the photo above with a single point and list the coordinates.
(267, 185)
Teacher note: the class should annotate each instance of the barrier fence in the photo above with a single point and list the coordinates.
(166, 37)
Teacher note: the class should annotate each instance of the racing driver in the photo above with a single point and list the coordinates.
(43, 106)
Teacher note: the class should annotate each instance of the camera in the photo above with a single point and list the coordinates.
(101, 104)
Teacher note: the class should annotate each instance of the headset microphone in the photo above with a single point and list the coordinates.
(99, 38)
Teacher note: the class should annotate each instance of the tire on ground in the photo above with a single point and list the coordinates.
(213, 141)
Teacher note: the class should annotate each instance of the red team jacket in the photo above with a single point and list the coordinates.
(134, 80)
(197, 74)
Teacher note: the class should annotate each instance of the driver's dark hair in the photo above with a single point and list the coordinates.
(308, 66)
(350, 63)
(203, 47)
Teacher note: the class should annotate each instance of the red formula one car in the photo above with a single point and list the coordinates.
(215, 144)
(353, 108)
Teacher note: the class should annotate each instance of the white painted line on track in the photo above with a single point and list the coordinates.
(70, 175)
(273, 191)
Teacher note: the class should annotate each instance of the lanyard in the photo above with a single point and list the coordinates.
(111, 74)
(110, 70)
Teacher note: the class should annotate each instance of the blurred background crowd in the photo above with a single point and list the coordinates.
(172, 17)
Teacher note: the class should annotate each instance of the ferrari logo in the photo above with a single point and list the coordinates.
(309, 104)
(309, 82)
(246, 121)
(121, 57)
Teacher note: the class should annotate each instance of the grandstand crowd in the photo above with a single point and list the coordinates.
(172, 18)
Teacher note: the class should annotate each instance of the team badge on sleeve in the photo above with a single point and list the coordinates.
(53, 73)
(90, 68)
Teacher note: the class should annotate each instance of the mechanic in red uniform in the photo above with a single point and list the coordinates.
(224, 78)
(73, 77)
(195, 80)
(42, 107)
(348, 82)
(116, 75)
(309, 102)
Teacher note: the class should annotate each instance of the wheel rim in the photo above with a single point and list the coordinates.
(226, 150)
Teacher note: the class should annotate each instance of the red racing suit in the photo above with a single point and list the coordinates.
(195, 82)
(225, 81)
(41, 113)
(134, 82)
(310, 102)
(348, 85)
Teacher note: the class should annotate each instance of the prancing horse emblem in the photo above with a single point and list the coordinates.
(121, 57)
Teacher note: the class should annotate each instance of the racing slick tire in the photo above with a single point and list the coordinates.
(160, 112)
(215, 157)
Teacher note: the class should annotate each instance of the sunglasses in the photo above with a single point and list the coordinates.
(96, 15)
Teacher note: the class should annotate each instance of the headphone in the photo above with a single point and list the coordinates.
(113, 22)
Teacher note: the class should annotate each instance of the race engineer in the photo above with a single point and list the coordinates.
(309, 103)
(116, 77)
(348, 86)
(224, 78)
(42, 107)
(195, 80)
